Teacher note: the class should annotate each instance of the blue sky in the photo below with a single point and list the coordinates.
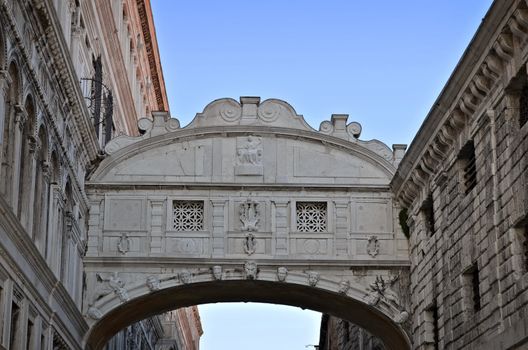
(383, 62)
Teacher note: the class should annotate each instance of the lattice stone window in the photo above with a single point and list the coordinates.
(188, 215)
(311, 216)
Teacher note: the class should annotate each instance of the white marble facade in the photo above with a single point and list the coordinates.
(246, 182)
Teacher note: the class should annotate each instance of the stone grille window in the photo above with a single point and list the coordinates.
(523, 106)
(311, 216)
(188, 215)
(468, 166)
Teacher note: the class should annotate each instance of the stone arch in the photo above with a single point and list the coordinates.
(10, 131)
(3, 48)
(119, 309)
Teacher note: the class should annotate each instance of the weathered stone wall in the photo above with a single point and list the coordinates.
(342, 335)
(468, 243)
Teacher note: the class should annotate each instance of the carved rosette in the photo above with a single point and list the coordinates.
(268, 112)
(326, 127)
(230, 113)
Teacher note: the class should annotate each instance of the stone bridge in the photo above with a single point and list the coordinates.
(246, 203)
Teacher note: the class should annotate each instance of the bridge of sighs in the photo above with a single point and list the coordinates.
(246, 203)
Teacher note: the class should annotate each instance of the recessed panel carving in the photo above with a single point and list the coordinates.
(372, 217)
(124, 214)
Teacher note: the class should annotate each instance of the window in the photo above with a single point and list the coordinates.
(432, 330)
(428, 215)
(311, 216)
(13, 330)
(466, 158)
(473, 283)
(188, 215)
(523, 106)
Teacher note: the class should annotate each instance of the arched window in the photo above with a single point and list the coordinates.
(28, 147)
(40, 204)
(8, 145)
(68, 215)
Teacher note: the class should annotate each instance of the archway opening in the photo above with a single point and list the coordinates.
(331, 303)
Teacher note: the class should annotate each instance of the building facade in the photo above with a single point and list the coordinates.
(73, 74)
(464, 183)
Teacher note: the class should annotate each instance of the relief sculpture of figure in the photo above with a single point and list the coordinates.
(251, 152)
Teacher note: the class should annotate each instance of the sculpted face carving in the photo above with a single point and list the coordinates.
(185, 277)
(344, 286)
(250, 268)
(217, 272)
(313, 278)
(282, 272)
(153, 283)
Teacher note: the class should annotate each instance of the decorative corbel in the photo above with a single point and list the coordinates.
(436, 152)
(493, 67)
(425, 166)
(481, 83)
(521, 17)
(504, 46)
(475, 91)
(467, 105)
(517, 29)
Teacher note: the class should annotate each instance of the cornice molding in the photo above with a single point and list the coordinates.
(481, 68)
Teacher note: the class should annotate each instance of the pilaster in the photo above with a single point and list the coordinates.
(281, 226)
(219, 227)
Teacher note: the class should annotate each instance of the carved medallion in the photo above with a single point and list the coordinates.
(373, 246)
(250, 244)
(123, 244)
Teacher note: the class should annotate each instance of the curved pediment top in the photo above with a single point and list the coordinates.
(250, 112)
